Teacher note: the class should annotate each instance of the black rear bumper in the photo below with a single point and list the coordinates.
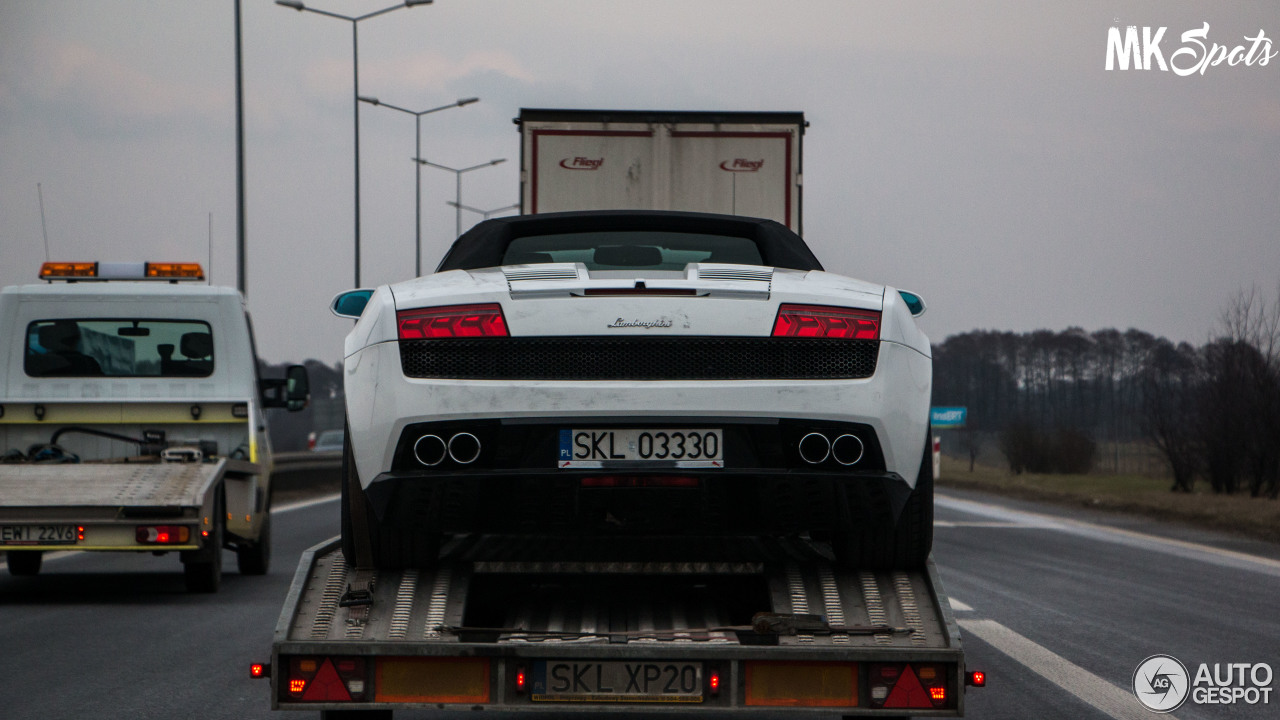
(515, 486)
(708, 501)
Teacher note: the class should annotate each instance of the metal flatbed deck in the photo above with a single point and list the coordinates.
(523, 600)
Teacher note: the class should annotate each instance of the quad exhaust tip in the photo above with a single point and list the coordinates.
(464, 448)
(430, 450)
(847, 449)
(814, 448)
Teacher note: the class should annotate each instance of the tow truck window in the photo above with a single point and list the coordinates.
(128, 347)
(628, 250)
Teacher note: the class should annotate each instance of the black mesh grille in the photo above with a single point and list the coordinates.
(639, 358)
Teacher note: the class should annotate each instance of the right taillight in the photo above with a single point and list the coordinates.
(822, 321)
(452, 321)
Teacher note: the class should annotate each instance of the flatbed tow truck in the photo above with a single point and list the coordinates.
(748, 625)
(131, 419)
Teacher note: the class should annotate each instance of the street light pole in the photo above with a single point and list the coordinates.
(458, 184)
(485, 213)
(417, 152)
(355, 101)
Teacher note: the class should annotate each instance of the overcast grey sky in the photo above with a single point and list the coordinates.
(975, 152)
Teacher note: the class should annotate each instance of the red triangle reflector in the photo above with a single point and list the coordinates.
(908, 692)
(327, 686)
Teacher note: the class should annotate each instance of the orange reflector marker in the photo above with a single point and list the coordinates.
(802, 684)
(175, 270)
(52, 270)
(307, 666)
(432, 680)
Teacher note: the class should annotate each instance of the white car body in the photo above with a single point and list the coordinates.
(563, 301)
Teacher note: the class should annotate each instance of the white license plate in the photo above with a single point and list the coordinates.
(681, 447)
(588, 681)
(37, 534)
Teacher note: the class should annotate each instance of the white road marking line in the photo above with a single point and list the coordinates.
(959, 606)
(1090, 688)
(1171, 546)
(289, 507)
(980, 524)
(298, 505)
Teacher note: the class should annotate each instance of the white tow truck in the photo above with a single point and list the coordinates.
(131, 419)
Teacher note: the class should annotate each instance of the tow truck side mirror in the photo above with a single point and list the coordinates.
(297, 392)
(292, 392)
(350, 304)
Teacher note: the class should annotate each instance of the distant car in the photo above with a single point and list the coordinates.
(637, 372)
(328, 441)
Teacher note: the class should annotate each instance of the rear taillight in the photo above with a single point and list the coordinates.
(162, 534)
(322, 679)
(453, 321)
(916, 686)
(820, 321)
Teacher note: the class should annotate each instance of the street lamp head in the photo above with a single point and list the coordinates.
(370, 100)
(295, 4)
(411, 3)
(467, 101)
(498, 161)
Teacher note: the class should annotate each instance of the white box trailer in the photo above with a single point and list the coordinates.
(739, 163)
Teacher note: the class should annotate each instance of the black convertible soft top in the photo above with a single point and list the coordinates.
(485, 244)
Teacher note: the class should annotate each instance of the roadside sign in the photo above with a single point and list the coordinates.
(944, 418)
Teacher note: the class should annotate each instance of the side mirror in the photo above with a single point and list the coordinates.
(914, 302)
(292, 392)
(350, 304)
(297, 388)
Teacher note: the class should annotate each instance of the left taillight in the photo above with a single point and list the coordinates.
(822, 321)
(452, 321)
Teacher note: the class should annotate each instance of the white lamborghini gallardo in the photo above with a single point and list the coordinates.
(636, 372)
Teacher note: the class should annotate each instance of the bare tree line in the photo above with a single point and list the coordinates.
(1211, 412)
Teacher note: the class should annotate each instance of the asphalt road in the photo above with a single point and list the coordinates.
(1059, 611)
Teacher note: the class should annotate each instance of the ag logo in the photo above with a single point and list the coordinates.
(1161, 683)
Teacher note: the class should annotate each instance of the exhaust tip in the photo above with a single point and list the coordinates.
(430, 450)
(847, 449)
(814, 448)
(464, 448)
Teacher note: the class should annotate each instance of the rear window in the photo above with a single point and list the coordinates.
(630, 250)
(127, 347)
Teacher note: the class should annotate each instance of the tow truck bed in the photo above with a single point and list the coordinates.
(107, 500)
(564, 625)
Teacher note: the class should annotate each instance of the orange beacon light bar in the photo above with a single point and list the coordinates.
(72, 271)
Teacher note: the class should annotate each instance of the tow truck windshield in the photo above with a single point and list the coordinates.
(128, 347)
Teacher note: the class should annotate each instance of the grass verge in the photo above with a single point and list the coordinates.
(1136, 494)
